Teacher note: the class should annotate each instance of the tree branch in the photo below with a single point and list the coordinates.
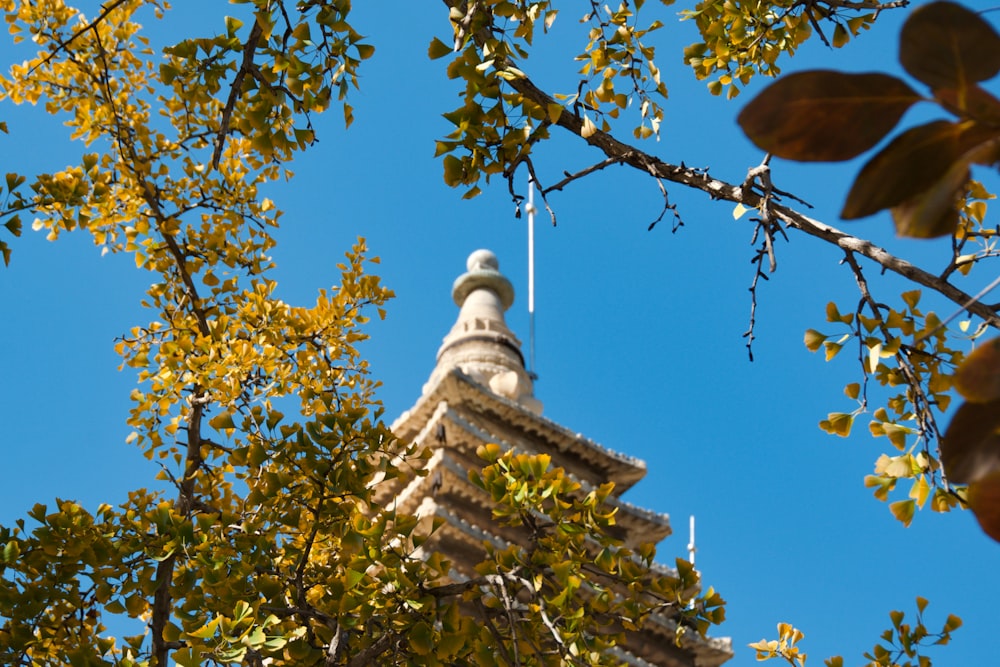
(718, 189)
(234, 92)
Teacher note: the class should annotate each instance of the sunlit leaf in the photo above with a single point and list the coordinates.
(903, 510)
(824, 115)
(838, 423)
(813, 339)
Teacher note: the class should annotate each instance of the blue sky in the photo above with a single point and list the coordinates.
(639, 334)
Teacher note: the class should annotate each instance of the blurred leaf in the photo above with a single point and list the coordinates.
(946, 45)
(823, 115)
(970, 448)
(933, 212)
(971, 102)
(978, 377)
(913, 163)
(984, 500)
(421, 638)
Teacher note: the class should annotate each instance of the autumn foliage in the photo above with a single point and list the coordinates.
(265, 548)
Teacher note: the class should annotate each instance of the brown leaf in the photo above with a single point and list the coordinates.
(946, 45)
(978, 377)
(913, 163)
(934, 211)
(970, 448)
(823, 115)
(972, 103)
(984, 500)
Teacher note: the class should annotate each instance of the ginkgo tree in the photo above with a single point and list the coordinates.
(258, 542)
(262, 413)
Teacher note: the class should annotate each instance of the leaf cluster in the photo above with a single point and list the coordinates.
(742, 39)
(899, 646)
(910, 354)
(575, 571)
(497, 124)
(921, 176)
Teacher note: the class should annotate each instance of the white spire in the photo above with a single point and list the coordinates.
(480, 344)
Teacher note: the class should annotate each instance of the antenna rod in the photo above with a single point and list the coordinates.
(691, 547)
(531, 277)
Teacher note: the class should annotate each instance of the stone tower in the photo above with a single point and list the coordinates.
(480, 392)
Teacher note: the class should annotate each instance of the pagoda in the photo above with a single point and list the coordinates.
(480, 392)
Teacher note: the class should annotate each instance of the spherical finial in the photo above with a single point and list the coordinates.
(483, 273)
(482, 259)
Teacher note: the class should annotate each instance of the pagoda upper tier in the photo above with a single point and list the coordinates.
(480, 392)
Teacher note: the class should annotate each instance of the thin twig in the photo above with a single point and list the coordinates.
(580, 174)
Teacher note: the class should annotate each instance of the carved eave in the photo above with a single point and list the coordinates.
(445, 478)
(509, 421)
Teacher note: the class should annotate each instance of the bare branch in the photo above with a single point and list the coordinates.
(368, 656)
(580, 174)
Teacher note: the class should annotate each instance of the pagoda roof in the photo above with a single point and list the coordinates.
(491, 417)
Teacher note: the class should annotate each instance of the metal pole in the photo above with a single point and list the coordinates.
(691, 547)
(531, 277)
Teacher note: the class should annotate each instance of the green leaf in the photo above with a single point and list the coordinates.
(438, 49)
(453, 171)
(207, 630)
(222, 422)
(187, 657)
(353, 578)
(421, 638)
(823, 115)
